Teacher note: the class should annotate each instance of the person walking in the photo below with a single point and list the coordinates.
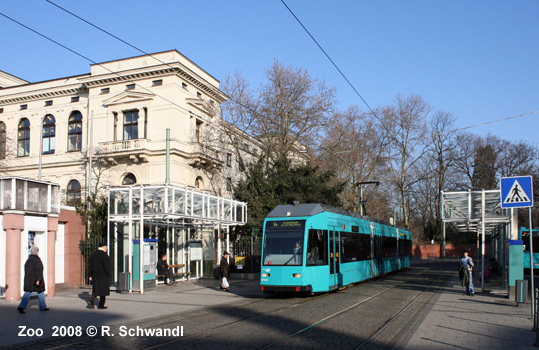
(33, 281)
(99, 276)
(225, 273)
(466, 273)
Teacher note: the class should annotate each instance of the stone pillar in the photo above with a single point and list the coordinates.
(52, 228)
(13, 225)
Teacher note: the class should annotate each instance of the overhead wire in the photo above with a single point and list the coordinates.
(138, 49)
(329, 58)
(94, 62)
(486, 123)
(362, 99)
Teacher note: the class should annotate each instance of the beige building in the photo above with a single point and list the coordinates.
(152, 120)
(116, 119)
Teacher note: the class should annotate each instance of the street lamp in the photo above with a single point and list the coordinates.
(362, 209)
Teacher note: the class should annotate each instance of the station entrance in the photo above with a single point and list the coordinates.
(190, 227)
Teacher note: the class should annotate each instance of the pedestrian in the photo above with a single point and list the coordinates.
(163, 269)
(33, 281)
(466, 273)
(99, 276)
(225, 273)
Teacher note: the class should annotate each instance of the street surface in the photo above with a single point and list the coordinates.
(381, 313)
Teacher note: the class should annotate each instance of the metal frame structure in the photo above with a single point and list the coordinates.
(477, 211)
(169, 206)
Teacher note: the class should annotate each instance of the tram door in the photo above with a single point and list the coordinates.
(334, 266)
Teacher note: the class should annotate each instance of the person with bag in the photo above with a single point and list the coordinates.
(225, 273)
(33, 281)
(466, 273)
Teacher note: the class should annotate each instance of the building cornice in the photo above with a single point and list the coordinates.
(23, 97)
(155, 72)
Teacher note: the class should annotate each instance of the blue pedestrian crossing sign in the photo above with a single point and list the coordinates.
(516, 192)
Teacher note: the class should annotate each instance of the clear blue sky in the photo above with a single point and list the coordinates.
(475, 59)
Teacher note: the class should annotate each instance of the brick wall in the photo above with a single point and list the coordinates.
(74, 232)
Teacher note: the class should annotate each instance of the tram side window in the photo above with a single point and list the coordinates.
(406, 247)
(317, 247)
(526, 241)
(355, 247)
(389, 246)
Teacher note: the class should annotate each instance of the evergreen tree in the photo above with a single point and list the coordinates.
(269, 185)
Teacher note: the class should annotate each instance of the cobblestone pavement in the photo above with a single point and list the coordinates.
(484, 321)
(435, 315)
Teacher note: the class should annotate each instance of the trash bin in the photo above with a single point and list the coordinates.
(521, 294)
(123, 282)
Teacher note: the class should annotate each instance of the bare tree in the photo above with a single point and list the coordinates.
(352, 147)
(405, 124)
(289, 108)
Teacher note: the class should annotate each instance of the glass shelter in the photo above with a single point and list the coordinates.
(189, 226)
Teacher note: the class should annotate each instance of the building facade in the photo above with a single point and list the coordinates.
(109, 127)
(151, 119)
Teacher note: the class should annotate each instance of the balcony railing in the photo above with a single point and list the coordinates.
(123, 145)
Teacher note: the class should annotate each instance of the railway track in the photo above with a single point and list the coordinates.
(281, 323)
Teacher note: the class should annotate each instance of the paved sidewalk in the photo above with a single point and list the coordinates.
(455, 321)
(69, 308)
(484, 321)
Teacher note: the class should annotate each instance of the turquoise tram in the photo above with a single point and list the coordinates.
(524, 235)
(318, 248)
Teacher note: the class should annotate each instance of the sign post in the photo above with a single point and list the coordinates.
(517, 192)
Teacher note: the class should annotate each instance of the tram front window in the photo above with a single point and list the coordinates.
(283, 242)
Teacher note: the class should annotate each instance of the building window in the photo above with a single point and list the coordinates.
(199, 95)
(3, 140)
(184, 85)
(49, 134)
(130, 87)
(1, 110)
(228, 159)
(75, 99)
(74, 132)
(23, 138)
(73, 192)
(199, 183)
(105, 91)
(48, 103)
(157, 82)
(198, 130)
(23, 107)
(229, 184)
(129, 179)
(131, 125)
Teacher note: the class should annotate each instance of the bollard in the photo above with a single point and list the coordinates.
(536, 296)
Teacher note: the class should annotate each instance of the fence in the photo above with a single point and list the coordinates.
(251, 250)
(87, 247)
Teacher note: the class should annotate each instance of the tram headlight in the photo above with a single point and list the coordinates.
(296, 275)
(265, 275)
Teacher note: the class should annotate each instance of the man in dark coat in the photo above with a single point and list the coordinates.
(33, 281)
(100, 276)
(162, 269)
(225, 273)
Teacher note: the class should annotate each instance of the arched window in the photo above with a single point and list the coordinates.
(129, 179)
(199, 183)
(49, 134)
(74, 132)
(23, 138)
(73, 192)
(3, 140)
(131, 125)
